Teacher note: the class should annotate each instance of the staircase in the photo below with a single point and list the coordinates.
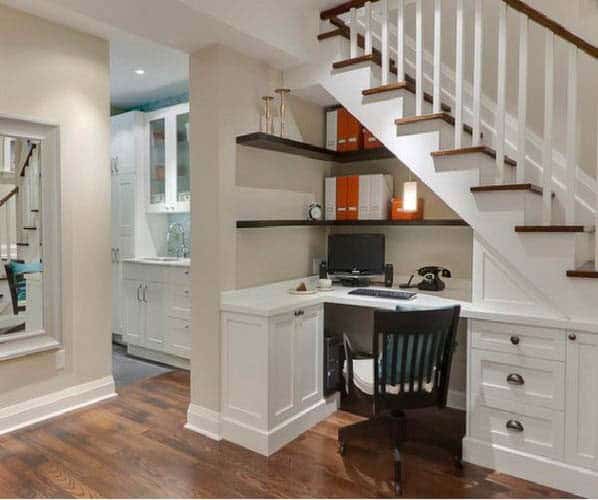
(533, 219)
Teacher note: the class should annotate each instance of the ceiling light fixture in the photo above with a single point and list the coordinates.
(140, 72)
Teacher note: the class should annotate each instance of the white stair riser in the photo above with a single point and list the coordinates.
(484, 163)
(446, 132)
(527, 205)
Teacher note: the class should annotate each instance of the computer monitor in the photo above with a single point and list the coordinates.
(356, 254)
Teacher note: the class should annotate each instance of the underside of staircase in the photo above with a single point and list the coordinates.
(542, 258)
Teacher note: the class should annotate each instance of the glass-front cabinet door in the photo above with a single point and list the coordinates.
(168, 171)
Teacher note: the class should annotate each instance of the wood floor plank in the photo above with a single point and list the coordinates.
(136, 446)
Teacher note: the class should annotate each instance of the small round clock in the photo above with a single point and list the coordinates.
(314, 212)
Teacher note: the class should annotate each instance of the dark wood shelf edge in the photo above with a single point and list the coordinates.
(268, 142)
(248, 224)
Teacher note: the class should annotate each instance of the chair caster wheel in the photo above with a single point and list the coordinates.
(341, 448)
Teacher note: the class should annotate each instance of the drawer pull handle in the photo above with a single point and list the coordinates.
(515, 340)
(515, 379)
(572, 336)
(514, 425)
(299, 313)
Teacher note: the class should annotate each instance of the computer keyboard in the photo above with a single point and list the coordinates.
(384, 294)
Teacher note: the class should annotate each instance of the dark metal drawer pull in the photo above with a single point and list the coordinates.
(515, 379)
(299, 313)
(572, 336)
(515, 340)
(514, 425)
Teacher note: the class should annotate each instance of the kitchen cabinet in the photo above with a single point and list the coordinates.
(168, 165)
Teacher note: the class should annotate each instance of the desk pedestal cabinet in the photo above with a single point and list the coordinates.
(533, 404)
(272, 373)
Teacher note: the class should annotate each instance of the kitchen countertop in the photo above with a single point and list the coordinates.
(157, 262)
(273, 299)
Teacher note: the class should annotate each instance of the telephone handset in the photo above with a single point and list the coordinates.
(431, 281)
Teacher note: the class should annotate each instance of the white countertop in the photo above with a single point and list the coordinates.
(155, 261)
(273, 299)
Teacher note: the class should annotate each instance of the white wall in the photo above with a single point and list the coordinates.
(58, 75)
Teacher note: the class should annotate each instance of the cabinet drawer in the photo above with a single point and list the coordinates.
(180, 276)
(533, 430)
(509, 377)
(536, 342)
(179, 338)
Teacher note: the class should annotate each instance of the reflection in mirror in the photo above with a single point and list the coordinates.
(21, 250)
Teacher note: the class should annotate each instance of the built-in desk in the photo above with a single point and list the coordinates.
(272, 380)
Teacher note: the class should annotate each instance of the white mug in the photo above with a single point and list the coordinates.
(325, 283)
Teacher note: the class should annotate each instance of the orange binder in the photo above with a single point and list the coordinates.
(341, 198)
(369, 141)
(348, 132)
(352, 197)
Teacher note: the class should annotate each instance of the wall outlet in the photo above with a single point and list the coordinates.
(60, 357)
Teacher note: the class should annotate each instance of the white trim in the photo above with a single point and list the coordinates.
(268, 442)
(204, 421)
(51, 405)
(456, 400)
(545, 471)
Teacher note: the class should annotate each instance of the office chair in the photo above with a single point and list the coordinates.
(408, 369)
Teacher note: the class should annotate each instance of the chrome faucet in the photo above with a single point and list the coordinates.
(182, 250)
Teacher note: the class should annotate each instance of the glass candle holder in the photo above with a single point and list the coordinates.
(267, 122)
(283, 110)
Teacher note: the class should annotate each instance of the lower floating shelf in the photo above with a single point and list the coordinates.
(247, 224)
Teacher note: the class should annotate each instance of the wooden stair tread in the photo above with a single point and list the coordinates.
(22, 244)
(403, 85)
(34, 210)
(473, 150)
(30, 228)
(355, 60)
(532, 188)
(432, 116)
(342, 9)
(330, 34)
(552, 229)
(588, 270)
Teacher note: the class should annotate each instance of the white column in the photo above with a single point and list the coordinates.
(596, 211)
(400, 40)
(353, 33)
(367, 11)
(459, 77)
(437, 54)
(501, 93)
(548, 122)
(571, 136)
(385, 51)
(419, 59)
(522, 99)
(477, 71)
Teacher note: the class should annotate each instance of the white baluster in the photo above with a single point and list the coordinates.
(477, 71)
(548, 119)
(400, 40)
(459, 77)
(367, 11)
(2, 231)
(419, 59)
(353, 32)
(11, 228)
(385, 47)
(596, 212)
(522, 99)
(571, 136)
(437, 52)
(6, 217)
(501, 93)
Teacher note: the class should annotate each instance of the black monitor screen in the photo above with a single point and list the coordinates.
(348, 253)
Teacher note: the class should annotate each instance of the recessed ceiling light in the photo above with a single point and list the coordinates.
(140, 72)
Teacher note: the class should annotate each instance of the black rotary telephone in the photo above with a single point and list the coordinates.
(431, 281)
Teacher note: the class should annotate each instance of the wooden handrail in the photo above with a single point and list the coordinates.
(27, 159)
(558, 29)
(342, 8)
(9, 196)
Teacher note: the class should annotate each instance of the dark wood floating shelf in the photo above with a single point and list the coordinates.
(269, 142)
(247, 224)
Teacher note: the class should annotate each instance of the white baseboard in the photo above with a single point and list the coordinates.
(456, 400)
(51, 405)
(268, 442)
(545, 471)
(204, 421)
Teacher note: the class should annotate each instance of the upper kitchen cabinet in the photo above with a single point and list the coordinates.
(168, 171)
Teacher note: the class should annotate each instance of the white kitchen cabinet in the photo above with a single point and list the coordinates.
(272, 373)
(582, 400)
(167, 156)
(134, 312)
(155, 299)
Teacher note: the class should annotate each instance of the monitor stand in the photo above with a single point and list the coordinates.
(355, 281)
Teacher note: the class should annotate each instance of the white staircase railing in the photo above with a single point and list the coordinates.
(366, 16)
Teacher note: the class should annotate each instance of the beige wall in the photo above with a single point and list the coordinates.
(54, 74)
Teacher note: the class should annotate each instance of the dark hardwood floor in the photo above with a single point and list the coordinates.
(135, 446)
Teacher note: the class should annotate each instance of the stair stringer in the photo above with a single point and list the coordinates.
(538, 269)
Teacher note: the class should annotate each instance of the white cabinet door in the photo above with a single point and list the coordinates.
(126, 215)
(308, 347)
(134, 312)
(282, 360)
(155, 298)
(581, 407)
(178, 338)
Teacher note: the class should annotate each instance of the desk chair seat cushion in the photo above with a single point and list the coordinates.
(363, 379)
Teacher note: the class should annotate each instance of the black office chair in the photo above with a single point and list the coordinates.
(408, 369)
